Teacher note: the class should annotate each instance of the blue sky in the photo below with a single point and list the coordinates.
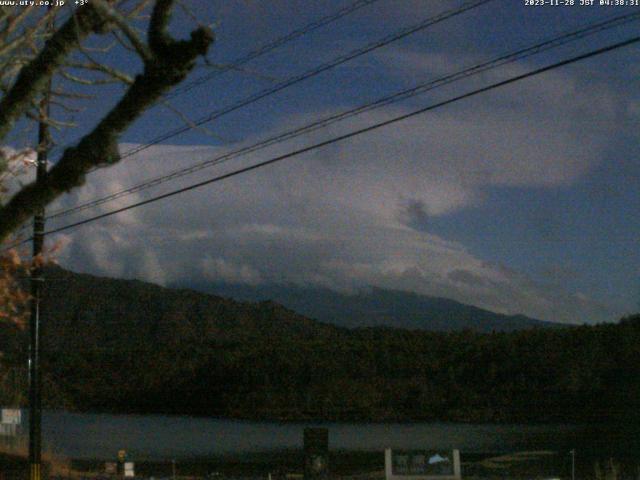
(520, 200)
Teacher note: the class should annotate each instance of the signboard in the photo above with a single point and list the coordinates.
(128, 469)
(110, 468)
(422, 465)
(11, 416)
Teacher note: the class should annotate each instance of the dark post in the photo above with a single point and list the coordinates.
(37, 280)
(122, 456)
(316, 453)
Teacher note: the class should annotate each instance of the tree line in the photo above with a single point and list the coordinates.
(124, 346)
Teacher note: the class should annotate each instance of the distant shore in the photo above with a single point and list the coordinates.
(288, 464)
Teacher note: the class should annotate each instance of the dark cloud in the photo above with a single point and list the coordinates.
(413, 214)
(356, 214)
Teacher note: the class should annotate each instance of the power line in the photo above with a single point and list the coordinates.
(309, 74)
(266, 48)
(402, 95)
(354, 133)
(272, 46)
(262, 50)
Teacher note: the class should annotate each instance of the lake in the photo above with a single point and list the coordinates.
(160, 437)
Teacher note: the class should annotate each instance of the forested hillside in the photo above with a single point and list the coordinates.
(128, 346)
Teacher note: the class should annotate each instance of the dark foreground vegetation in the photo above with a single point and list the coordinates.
(128, 346)
(353, 465)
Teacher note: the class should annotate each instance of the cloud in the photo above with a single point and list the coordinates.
(222, 270)
(340, 249)
(414, 213)
(357, 213)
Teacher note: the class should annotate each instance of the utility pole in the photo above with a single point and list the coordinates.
(37, 281)
(573, 464)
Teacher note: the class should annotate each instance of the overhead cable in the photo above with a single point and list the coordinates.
(352, 134)
(309, 74)
(546, 45)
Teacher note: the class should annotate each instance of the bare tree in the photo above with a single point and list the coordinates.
(38, 44)
(30, 57)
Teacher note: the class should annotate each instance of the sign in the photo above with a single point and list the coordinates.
(128, 469)
(11, 416)
(110, 468)
(422, 465)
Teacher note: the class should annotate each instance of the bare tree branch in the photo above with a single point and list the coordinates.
(90, 81)
(123, 43)
(19, 40)
(56, 92)
(171, 61)
(34, 77)
(15, 21)
(107, 12)
(105, 49)
(66, 107)
(116, 74)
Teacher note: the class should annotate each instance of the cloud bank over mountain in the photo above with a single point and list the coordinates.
(358, 213)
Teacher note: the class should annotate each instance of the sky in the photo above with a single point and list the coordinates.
(523, 199)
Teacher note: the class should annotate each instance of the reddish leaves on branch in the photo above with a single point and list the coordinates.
(13, 298)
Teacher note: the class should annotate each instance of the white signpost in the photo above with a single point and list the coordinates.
(11, 416)
(10, 419)
(129, 469)
(421, 465)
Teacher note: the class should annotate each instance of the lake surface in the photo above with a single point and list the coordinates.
(159, 437)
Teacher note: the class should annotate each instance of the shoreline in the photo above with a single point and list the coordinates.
(321, 421)
(288, 464)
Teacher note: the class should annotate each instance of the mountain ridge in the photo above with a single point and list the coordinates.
(133, 347)
(378, 307)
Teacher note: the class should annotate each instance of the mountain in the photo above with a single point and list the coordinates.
(132, 347)
(379, 307)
